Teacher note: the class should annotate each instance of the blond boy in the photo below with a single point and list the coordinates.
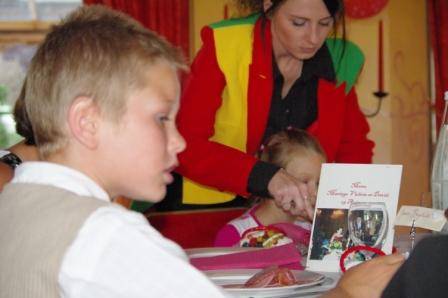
(102, 96)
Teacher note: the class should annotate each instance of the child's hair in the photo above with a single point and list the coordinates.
(280, 146)
(94, 52)
(23, 125)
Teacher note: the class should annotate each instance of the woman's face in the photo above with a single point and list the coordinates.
(299, 27)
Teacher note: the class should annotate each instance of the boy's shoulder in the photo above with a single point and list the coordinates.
(55, 204)
(38, 191)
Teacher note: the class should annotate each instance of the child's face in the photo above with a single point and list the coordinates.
(145, 144)
(306, 167)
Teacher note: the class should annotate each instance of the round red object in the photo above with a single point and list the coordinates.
(352, 249)
(359, 9)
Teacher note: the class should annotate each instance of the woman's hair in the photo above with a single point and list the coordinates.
(335, 8)
(280, 147)
(23, 125)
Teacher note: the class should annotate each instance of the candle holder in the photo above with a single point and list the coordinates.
(380, 95)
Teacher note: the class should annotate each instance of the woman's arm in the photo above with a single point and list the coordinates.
(217, 165)
(205, 161)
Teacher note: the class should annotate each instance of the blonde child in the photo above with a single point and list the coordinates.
(301, 156)
(102, 97)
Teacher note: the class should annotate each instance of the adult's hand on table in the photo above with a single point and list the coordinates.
(369, 279)
(292, 195)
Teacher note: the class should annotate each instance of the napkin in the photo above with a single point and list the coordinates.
(297, 233)
(284, 256)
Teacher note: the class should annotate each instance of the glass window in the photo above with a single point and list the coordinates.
(14, 58)
(42, 10)
(53, 10)
(16, 49)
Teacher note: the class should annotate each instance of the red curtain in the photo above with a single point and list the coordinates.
(438, 26)
(169, 18)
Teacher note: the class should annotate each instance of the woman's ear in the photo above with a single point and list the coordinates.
(266, 5)
(83, 121)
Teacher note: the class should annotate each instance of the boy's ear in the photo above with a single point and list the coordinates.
(83, 120)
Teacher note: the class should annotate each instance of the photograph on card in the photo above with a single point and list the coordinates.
(331, 237)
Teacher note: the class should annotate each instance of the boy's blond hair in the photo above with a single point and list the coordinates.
(94, 52)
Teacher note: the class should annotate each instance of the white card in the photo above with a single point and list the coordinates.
(356, 205)
(426, 218)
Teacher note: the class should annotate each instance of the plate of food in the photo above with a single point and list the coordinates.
(270, 282)
(216, 251)
(263, 236)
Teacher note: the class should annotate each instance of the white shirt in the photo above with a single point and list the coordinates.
(117, 253)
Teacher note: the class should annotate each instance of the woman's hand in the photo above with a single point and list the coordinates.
(293, 195)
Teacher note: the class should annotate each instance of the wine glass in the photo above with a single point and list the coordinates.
(368, 223)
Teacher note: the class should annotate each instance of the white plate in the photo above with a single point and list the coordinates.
(216, 251)
(240, 276)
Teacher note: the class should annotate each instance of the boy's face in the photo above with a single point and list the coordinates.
(142, 149)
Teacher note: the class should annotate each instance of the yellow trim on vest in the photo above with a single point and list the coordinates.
(234, 54)
(195, 193)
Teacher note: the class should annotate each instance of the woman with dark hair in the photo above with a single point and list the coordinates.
(257, 75)
(22, 151)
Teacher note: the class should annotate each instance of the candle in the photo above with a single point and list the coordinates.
(226, 12)
(380, 58)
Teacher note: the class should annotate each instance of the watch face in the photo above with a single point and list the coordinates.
(11, 159)
(359, 9)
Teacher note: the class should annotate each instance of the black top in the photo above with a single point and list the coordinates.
(297, 109)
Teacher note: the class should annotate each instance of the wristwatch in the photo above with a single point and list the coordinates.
(11, 160)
